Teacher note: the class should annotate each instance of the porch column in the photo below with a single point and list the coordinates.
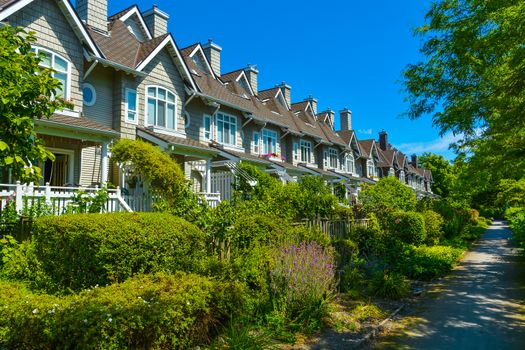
(208, 176)
(104, 164)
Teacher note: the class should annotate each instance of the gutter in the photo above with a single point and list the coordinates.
(80, 128)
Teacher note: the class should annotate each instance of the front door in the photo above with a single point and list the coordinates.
(57, 173)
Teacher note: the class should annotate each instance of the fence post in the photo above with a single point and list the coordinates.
(48, 194)
(19, 201)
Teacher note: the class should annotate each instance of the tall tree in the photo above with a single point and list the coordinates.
(473, 78)
(441, 172)
(27, 92)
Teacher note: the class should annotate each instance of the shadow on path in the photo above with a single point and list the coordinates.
(481, 305)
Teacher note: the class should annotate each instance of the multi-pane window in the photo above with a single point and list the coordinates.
(207, 127)
(256, 141)
(131, 106)
(226, 129)
(61, 67)
(349, 160)
(161, 107)
(269, 141)
(402, 176)
(332, 158)
(306, 151)
(371, 168)
(295, 151)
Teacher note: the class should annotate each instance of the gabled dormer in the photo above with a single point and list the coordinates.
(239, 77)
(199, 58)
(134, 21)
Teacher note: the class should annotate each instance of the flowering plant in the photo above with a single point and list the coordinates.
(274, 155)
(301, 282)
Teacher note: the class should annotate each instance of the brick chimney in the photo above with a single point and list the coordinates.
(157, 21)
(313, 103)
(414, 162)
(346, 119)
(94, 13)
(383, 140)
(213, 53)
(252, 73)
(287, 92)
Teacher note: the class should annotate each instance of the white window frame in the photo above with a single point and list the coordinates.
(39, 49)
(232, 120)
(296, 151)
(402, 176)
(136, 111)
(269, 135)
(306, 146)
(208, 137)
(371, 169)
(332, 157)
(350, 163)
(93, 91)
(157, 99)
(256, 144)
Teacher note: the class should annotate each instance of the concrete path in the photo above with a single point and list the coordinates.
(481, 305)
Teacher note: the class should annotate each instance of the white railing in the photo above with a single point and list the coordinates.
(221, 182)
(55, 200)
(213, 199)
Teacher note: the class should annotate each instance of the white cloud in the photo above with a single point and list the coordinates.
(439, 146)
(365, 131)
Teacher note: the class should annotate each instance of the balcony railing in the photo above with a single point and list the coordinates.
(55, 200)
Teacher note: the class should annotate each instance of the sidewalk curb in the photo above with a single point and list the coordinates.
(370, 335)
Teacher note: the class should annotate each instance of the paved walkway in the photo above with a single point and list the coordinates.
(479, 306)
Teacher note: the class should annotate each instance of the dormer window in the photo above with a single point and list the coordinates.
(161, 108)
(306, 151)
(269, 141)
(61, 67)
(226, 129)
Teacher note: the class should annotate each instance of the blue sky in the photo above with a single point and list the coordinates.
(345, 53)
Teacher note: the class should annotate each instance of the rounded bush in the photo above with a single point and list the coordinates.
(433, 226)
(81, 251)
(146, 312)
(409, 227)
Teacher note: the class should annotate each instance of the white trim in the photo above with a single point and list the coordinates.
(68, 72)
(279, 91)
(246, 81)
(71, 162)
(208, 66)
(135, 11)
(175, 103)
(136, 122)
(166, 131)
(253, 144)
(234, 145)
(69, 113)
(204, 128)
(187, 123)
(167, 40)
(93, 91)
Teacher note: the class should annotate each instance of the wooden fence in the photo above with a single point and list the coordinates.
(336, 228)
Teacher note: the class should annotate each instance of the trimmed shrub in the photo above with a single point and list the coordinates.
(425, 263)
(81, 251)
(433, 226)
(516, 216)
(145, 312)
(388, 195)
(409, 227)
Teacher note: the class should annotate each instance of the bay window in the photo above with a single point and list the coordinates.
(161, 108)
(306, 151)
(332, 158)
(226, 129)
(269, 141)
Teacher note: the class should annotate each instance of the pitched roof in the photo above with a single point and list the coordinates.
(75, 122)
(231, 75)
(268, 93)
(173, 140)
(366, 147)
(6, 3)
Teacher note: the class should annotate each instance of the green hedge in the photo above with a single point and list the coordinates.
(425, 263)
(81, 251)
(408, 226)
(146, 312)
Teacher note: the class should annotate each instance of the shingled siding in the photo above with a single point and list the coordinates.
(102, 111)
(53, 32)
(90, 167)
(197, 109)
(252, 127)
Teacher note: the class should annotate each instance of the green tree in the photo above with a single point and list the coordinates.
(387, 196)
(441, 172)
(472, 82)
(27, 92)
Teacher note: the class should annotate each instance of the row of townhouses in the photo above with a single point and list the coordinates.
(127, 78)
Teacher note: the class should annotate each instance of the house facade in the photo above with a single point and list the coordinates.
(127, 78)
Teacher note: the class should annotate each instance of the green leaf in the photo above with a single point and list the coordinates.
(3, 146)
